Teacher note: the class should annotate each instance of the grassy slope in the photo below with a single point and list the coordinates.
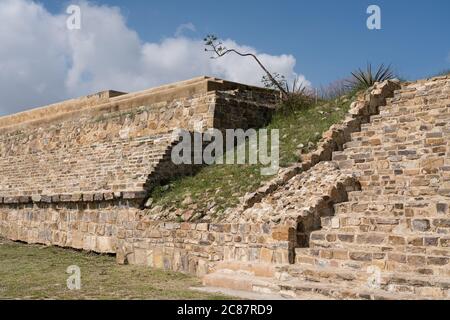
(221, 186)
(42, 275)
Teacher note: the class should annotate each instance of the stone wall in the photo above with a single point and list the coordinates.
(375, 193)
(116, 145)
(387, 239)
(90, 226)
(81, 180)
(199, 248)
(76, 174)
(119, 226)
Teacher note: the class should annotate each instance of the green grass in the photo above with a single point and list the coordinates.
(38, 272)
(221, 186)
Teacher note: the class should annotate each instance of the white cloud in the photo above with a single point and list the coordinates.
(41, 61)
(33, 56)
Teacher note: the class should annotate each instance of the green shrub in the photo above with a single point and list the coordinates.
(364, 79)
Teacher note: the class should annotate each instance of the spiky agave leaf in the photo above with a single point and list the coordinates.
(365, 79)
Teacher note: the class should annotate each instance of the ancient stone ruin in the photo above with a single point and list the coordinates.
(365, 216)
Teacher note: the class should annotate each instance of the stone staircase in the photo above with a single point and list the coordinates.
(391, 240)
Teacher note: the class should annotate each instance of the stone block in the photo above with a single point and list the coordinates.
(285, 233)
(158, 258)
(105, 244)
(266, 255)
(421, 225)
(360, 256)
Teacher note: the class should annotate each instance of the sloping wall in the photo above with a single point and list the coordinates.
(76, 174)
(77, 149)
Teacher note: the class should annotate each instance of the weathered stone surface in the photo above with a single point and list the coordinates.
(103, 144)
(397, 224)
(372, 199)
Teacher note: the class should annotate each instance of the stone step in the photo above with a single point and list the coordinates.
(412, 257)
(241, 282)
(410, 186)
(417, 101)
(352, 144)
(369, 194)
(300, 289)
(397, 205)
(357, 135)
(376, 139)
(362, 223)
(406, 105)
(371, 278)
(395, 211)
(410, 115)
(381, 241)
(333, 291)
(383, 195)
(374, 205)
(380, 124)
(356, 259)
(250, 268)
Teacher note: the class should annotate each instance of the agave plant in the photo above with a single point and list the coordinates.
(363, 79)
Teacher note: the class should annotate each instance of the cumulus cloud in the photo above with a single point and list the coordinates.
(33, 56)
(41, 61)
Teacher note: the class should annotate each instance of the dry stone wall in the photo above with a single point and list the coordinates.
(366, 215)
(398, 224)
(199, 248)
(76, 174)
(110, 148)
(102, 213)
(390, 238)
(267, 231)
(90, 226)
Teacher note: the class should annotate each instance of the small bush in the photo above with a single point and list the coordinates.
(296, 101)
(364, 79)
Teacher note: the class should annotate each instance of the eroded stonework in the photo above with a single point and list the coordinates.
(76, 174)
(365, 216)
(390, 238)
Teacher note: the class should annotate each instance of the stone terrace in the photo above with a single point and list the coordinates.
(389, 237)
(76, 174)
(365, 216)
(111, 144)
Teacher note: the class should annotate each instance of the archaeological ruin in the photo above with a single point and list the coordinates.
(363, 216)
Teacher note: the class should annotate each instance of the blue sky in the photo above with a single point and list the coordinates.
(328, 38)
(133, 45)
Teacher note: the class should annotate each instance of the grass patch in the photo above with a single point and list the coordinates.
(218, 187)
(38, 272)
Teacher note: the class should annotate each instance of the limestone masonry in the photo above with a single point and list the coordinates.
(365, 216)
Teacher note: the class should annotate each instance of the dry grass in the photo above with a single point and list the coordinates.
(221, 186)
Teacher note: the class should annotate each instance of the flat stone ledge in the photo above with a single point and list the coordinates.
(75, 198)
